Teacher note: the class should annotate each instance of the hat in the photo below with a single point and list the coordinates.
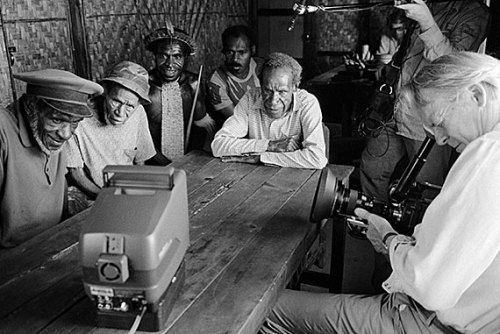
(131, 76)
(170, 33)
(62, 90)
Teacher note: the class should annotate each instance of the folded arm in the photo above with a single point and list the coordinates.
(230, 140)
(312, 154)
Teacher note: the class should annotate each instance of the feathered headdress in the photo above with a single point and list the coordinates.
(168, 32)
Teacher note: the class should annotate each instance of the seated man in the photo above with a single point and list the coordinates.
(172, 95)
(118, 134)
(32, 164)
(445, 276)
(277, 124)
(239, 73)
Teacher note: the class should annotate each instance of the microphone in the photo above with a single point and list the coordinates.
(298, 9)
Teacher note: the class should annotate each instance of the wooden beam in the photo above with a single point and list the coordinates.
(81, 58)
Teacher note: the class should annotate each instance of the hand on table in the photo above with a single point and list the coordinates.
(249, 159)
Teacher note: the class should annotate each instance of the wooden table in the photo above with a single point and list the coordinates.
(249, 232)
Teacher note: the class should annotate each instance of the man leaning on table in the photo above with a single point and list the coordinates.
(32, 162)
(276, 124)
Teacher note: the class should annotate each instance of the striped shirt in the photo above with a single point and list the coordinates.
(249, 130)
(224, 89)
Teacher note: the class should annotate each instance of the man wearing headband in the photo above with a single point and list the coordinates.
(172, 96)
(118, 134)
(32, 164)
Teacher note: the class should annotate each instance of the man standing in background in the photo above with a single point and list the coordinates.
(441, 28)
(239, 73)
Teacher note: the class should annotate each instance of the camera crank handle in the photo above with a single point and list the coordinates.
(357, 221)
(432, 186)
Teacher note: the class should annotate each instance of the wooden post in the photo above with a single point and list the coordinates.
(190, 122)
(81, 58)
(9, 56)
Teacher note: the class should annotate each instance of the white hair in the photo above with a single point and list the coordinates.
(449, 75)
(454, 72)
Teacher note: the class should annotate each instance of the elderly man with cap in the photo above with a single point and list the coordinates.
(32, 164)
(118, 133)
(172, 96)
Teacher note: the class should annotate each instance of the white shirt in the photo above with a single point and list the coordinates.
(453, 264)
(249, 131)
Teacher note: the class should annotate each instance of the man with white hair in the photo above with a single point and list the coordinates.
(445, 276)
(276, 124)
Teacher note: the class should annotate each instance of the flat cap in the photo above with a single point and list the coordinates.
(132, 76)
(169, 33)
(62, 90)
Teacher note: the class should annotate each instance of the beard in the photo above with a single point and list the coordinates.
(33, 117)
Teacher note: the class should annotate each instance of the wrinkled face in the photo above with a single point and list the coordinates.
(452, 121)
(237, 53)
(277, 91)
(120, 104)
(398, 30)
(55, 128)
(170, 60)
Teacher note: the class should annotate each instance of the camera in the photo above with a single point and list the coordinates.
(404, 211)
(333, 198)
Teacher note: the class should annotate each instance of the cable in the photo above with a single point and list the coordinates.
(383, 129)
(137, 321)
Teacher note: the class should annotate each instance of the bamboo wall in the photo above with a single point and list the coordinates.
(345, 32)
(37, 33)
(115, 29)
(40, 36)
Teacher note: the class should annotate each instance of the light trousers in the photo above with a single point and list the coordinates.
(300, 312)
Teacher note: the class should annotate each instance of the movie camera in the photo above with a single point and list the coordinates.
(404, 210)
